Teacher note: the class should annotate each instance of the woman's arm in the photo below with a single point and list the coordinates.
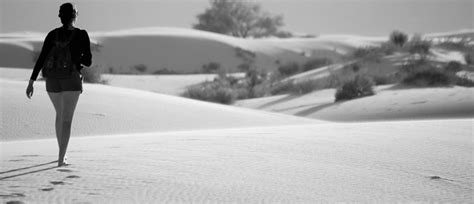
(86, 57)
(47, 44)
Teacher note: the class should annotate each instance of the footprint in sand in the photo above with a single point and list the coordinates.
(64, 170)
(47, 189)
(12, 195)
(30, 155)
(72, 176)
(57, 182)
(434, 177)
(419, 102)
(14, 202)
(16, 160)
(99, 114)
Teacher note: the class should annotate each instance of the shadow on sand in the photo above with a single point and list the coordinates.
(29, 167)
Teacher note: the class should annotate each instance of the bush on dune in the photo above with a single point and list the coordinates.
(469, 58)
(212, 67)
(165, 71)
(425, 74)
(289, 69)
(453, 66)
(368, 53)
(429, 78)
(419, 46)
(359, 86)
(462, 45)
(226, 89)
(217, 92)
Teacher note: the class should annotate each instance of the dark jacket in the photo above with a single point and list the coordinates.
(80, 48)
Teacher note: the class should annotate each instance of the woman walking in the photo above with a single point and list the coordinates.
(65, 86)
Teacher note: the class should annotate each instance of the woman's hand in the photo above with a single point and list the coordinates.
(29, 89)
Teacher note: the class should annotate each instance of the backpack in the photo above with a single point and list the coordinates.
(58, 63)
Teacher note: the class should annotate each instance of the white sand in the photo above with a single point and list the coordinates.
(364, 162)
(148, 147)
(389, 103)
(111, 110)
(184, 50)
(165, 84)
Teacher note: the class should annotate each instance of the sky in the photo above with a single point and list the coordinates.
(360, 17)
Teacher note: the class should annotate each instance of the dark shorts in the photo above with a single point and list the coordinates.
(58, 85)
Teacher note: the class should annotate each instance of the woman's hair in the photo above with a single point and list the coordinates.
(67, 13)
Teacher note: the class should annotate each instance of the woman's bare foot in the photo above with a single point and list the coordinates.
(63, 163)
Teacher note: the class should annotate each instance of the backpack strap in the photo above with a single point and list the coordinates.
(70, 37)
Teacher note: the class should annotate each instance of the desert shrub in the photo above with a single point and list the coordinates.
(140, 67)
(469, 58)
(316, 63)
(211, 92)
(212, 67)
(362, 52)
(398, 38)
(459, 45)
(226, 89)
(355, 67)
(387, 48)
(281, 88)
(359, 86)
(308, 36)
(433, 77)
(419, 47)
(111, 70)
(453, 66)
(368, 53)
(422, 73)
(464, 81)
(307, 86)
(289, 69)
(414, 66)
(283, 34)
(165, 71)
(93, 75)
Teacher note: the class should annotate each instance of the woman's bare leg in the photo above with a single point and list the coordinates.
(69, 99)
(56, 99)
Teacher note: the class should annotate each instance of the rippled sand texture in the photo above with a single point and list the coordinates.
(365, 162)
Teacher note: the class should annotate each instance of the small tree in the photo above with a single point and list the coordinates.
(212, 67)
(398, 38)
(238, 18)
(419, 46)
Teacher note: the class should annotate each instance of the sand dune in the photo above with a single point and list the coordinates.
(389, 103)
(111, 110)
(185, 50)
(429, 161)
(135, 146)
